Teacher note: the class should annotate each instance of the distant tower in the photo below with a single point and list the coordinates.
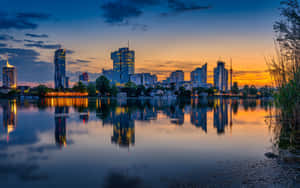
(9, 76)
(60, 79)
(221, 77)
(123, 63)
(231, 72)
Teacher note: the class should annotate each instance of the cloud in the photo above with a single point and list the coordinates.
(43, 46)
(83, 61)
(5, 37)
(33, 15)
(141, 27)
(78, 61)
(34, 41)
(22, 20)
(3, 45)
(180, 6)
(249, 72)
(68, 51)
(36, 35)
(120, 11)
(40, 44)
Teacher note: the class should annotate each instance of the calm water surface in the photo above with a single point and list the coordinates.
(134, 143)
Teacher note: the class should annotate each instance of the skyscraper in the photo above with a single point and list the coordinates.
(9, 75)
(221, 77)
(177, 77)
(60, 79)
(199, 76)
(123, 63)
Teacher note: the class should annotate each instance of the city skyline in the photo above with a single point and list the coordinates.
(123, 71)
(215, 31)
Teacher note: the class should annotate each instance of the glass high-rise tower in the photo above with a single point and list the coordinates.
(221, 77)
(123, 63)
(60, 79)
(9, 76)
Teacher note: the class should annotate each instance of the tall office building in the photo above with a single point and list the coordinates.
(123, 63)
(9, 76)
(199, 75)
(177, 77)
(145, 79)
(221, 77)
(60, 78)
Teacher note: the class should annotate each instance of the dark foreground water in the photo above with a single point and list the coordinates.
(135, 143)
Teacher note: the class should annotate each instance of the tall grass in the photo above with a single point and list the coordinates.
(285, 71)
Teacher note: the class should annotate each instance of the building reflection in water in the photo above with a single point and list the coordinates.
(176, 114)
(122, 115)
(199, 117)
(61, 114)
(220, 115)
(9, 117)
(123, 128)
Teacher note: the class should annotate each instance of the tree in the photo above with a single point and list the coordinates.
(141, 90)
(114, 90)
(252, 90)
(211, 91)
(285, 69)
(40, 90)
(130, 88)
(13, 93)
(79, 87)
(183, 92)
(148, 91)
(91, 89)
(235, 88)
(245, 91)
(288, 39)
(102, 85)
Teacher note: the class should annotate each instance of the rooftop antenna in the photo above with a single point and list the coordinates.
(128, 44)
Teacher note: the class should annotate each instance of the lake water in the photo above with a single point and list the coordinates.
(136, 143)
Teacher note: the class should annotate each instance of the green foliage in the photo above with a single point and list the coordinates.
(114, 90)
(211, 91)
(13, 93)
(245, 91)
(79, 87)
(40, 90)
(252, 90)
(91, 89)
(103, 85)
(266, 91)
(235, 88)
(148, 91)
(130, 88)
(288, 96)
(140, 90)
(183, 92)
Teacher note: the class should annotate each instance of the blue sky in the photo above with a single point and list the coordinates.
(187, 33)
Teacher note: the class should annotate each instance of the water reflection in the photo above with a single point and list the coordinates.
(199, 117)
(122, 115)
(221, 115)
(172, 139)
(123, 127)
(9, 117)
(61, 114)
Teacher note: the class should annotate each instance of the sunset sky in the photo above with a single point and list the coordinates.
(167, 35)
